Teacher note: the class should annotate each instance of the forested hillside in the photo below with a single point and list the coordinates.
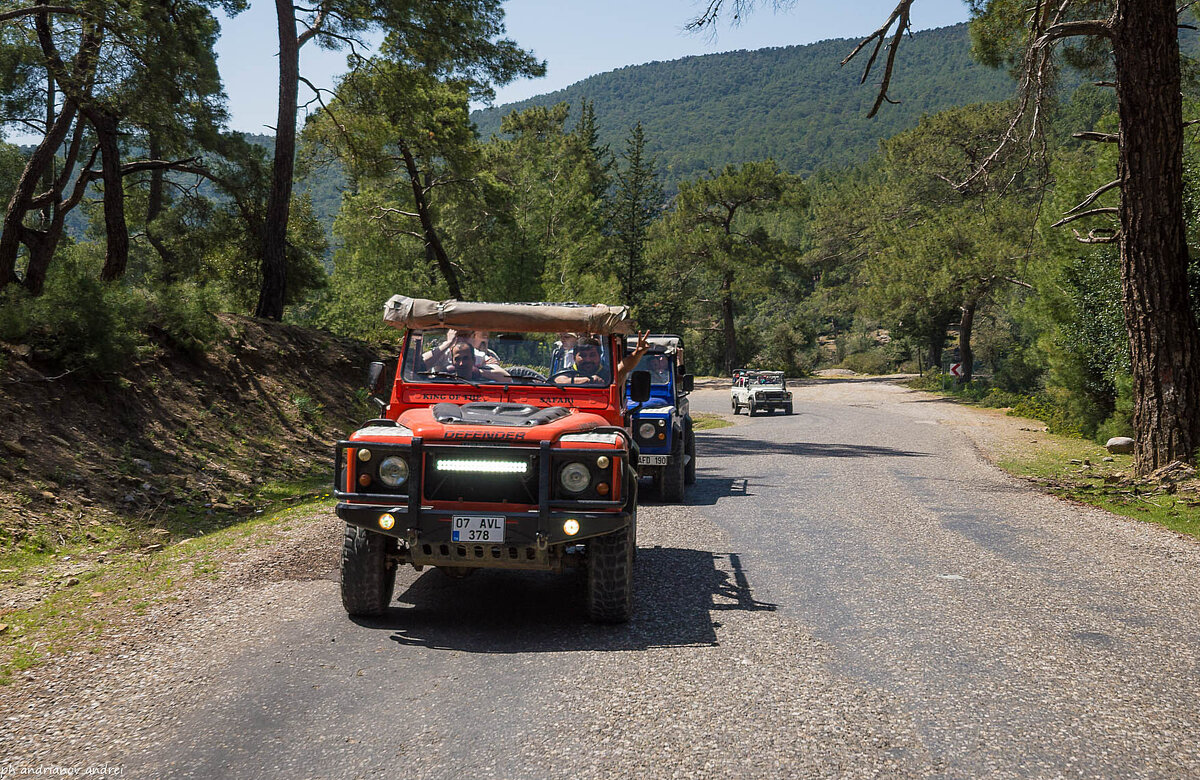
(793, 104)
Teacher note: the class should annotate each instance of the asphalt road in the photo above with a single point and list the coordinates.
(849, 591)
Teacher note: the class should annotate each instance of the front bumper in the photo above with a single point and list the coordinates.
(531, 540)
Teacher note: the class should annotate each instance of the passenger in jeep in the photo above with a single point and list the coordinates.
(436, 359)
(463, 356)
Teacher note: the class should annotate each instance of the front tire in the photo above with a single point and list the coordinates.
(753, 409)
(787, 408)
(610, 577)
(368, 579)
(673, 474)
(689, 471)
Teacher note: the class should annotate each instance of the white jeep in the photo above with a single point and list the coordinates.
(758, 391)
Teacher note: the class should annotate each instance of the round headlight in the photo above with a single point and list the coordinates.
(393, 471)
(575, 477)
(646, 430)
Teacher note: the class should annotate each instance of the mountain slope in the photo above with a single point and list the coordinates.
(795, 104)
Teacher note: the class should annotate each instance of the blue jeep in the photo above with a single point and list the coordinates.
(662, 425)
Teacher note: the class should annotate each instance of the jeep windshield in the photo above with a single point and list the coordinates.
(658, 365)
(489, 358)
(772, 378)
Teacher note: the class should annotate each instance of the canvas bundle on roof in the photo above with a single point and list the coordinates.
(403, 312)
(665, 343)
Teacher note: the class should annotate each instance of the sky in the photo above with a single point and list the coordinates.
(577, 39)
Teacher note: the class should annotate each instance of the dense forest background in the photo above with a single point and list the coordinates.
(742, 199)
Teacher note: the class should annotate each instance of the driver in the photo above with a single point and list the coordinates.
(588, 368)
(659, 366)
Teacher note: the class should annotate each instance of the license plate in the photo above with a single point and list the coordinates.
(654, 460)
(467, 528)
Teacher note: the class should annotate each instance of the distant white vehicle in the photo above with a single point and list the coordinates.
(757, 391)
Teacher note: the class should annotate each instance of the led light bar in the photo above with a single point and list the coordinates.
(484, 466)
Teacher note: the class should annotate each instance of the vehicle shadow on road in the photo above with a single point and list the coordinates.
(707, 490)
(678, 592)
(740, 447)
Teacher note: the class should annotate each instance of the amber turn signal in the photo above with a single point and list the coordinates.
(602, 488)
(364, 479)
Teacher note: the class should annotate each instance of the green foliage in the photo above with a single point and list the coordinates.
(718, 249)
(79, 322)
(871, 361)
(311, 411)
(12, 160)
(549, 243)
(369, 266)
(636, 203)
(183, 313)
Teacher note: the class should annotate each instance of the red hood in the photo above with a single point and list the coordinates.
(422, 423)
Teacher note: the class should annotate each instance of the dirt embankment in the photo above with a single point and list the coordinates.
(175, 444)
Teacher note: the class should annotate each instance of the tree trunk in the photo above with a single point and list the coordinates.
(1163, 339)
(154, 208)
(936, 346)
(433, 243)
(41, 245)
(12, 230)
(48, 174)
(966, 356)
(116, 254)
(727, 322)
(274, 247)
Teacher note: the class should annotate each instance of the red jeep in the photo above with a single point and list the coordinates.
(487, 457)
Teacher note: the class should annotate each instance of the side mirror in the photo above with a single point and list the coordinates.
(639, 386)
(687, 383)
(374, 375)
(376, 385)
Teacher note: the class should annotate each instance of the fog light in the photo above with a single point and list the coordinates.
(571, 527)
(602, 462)
(386, 522)
(364, 479)
(364, 455)
(602, 488)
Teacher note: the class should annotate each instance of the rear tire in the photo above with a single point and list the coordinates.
(610, 577)
(368, 579)
(736, 409)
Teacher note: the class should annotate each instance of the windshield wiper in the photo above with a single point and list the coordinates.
(448, 375)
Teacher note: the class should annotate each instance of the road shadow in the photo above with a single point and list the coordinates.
(706, 491)
(709, 489)
(678, 593)
(740, 446)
